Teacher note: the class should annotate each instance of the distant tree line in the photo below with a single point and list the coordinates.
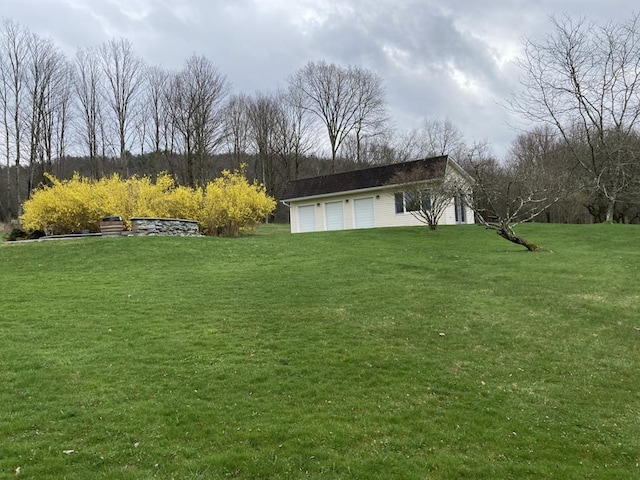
(105, 110)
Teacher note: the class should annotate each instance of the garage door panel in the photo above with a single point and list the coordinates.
(334, 214)
(307, 218)
(364, 212)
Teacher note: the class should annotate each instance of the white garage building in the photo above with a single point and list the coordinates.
(370, 198)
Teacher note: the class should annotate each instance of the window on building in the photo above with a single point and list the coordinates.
(412, 201)
(399, 197)
(461, 213)
(426, 201)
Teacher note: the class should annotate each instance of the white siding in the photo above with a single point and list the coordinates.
(386, 215)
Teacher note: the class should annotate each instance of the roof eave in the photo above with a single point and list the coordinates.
(393, 186)
(336, 194)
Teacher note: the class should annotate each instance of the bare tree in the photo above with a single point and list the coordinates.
(584, 80)
(295, 133)
(541, 147)
(88, 90)
(427, 201)
(15, 51)
(62, 115)
(46, 81)
(265, 113)
(123, 71)
(335, 95)
(407, 146)
(282, 136)
(441, 137)
(280, 133)
(236, 119)
(156, 79)
(197, 95)
(434, 138)
(371, 114)
(170, 135)
(507, 195)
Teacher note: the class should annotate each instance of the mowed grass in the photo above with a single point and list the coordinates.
(380, 354)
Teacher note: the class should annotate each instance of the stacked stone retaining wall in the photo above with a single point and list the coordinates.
(164, 226)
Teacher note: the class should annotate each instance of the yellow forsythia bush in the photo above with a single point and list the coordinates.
(232, 205)
(63, 207)
(227, 206)
(185, 202)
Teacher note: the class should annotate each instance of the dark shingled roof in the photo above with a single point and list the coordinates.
(366, 178)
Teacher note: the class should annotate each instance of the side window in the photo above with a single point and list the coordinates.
(461, 214)
(411, 201)
(399, 198)
(426, 201)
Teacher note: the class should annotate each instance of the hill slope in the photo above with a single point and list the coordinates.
(394, 353)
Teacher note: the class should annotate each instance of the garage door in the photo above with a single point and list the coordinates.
(307, 218)
(363, 212)
(334, 215)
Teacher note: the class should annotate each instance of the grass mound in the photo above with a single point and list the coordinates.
(392, 353)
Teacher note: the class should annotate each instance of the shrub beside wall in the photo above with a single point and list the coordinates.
(231, 205)
(227, 206)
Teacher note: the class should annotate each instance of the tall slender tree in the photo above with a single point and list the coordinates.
(371, 115)
(123, 71)
(46, 79)
(15, 46)
(156, 79)
(89, 92)
(296, 136)
(236, 120)
(265, 113)
(197, 95)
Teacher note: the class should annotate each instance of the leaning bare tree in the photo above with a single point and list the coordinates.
(584, 80)
(507, 195)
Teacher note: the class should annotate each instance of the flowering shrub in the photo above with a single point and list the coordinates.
(232, 205)
(63, 206)
(227, 206)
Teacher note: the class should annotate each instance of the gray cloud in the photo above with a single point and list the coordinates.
(437, 60)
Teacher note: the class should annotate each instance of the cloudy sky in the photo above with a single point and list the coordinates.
(438, 59)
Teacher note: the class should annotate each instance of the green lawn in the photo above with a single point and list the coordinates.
(381, 354)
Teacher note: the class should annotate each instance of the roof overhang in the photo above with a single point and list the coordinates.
(337, 194)
(394, 186)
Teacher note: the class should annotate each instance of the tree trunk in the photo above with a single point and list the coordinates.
(611, 205)
(507, 232)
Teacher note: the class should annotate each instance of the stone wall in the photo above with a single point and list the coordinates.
(164, 226)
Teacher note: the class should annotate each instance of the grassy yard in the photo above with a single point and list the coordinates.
(381, 354)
